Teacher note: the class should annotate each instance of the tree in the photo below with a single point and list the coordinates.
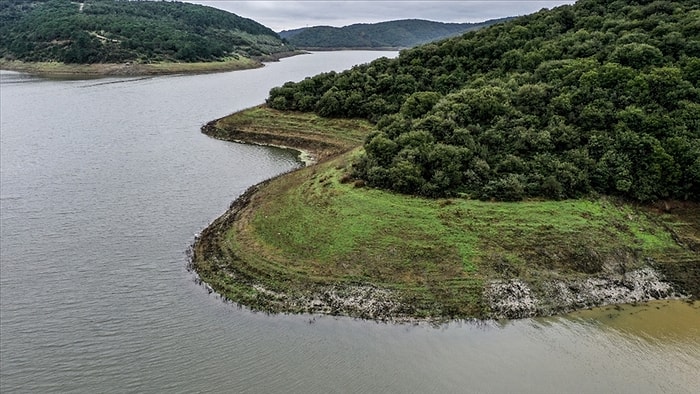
(419, 104)
(331, 103)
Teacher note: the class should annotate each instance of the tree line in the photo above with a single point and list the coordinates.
(599, 97)
(391, 34)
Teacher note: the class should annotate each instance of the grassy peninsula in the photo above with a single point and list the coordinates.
(316, 240)
(533, 167)
(106, 37)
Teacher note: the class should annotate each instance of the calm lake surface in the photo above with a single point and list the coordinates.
(105, 182)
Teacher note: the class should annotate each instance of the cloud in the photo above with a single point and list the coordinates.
(281, 15)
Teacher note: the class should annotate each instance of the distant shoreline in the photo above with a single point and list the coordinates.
(58, 69)
(333, 49)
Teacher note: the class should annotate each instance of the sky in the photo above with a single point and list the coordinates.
(291, 14)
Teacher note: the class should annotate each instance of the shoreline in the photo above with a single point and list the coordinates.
(306, 156)
(625, 277)
(309, 136)
(131, 69)
(333, 49)
(508, 299)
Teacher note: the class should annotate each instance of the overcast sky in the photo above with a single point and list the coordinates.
(288, 14)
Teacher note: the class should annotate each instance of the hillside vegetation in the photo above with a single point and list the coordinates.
(597, 101)
(114, 31)
(392, 34)
(598, 98)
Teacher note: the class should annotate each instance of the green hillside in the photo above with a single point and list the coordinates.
(601, 97)
(574, 115)
(113, 31)
(392, 34)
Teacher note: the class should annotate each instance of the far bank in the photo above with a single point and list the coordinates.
(57, 69)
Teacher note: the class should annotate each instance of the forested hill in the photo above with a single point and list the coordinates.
(393, 34)
(112, 31)
(599, 97)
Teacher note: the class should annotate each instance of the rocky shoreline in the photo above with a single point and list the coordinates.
(515, 299)
(360, 301)
(506, 299)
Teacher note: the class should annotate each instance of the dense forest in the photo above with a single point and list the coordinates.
(112, 31)
(392, 34)
(599, 97)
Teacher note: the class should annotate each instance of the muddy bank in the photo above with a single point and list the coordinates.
(309, 150)
(312, 147)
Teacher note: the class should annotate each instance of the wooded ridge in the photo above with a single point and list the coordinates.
(392, 34)
(109, 31)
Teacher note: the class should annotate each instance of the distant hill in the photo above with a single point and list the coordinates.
(393, 34)
(109, 31)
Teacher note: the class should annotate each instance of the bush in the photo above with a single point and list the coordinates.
(507, 188)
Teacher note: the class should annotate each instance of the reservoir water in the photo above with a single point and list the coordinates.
(104, 183)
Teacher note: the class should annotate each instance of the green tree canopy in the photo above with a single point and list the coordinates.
(108, 31)
(597, 97)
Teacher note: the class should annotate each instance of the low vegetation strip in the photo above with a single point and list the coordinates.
(127, 69)
(317, 241)
(320, 137)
